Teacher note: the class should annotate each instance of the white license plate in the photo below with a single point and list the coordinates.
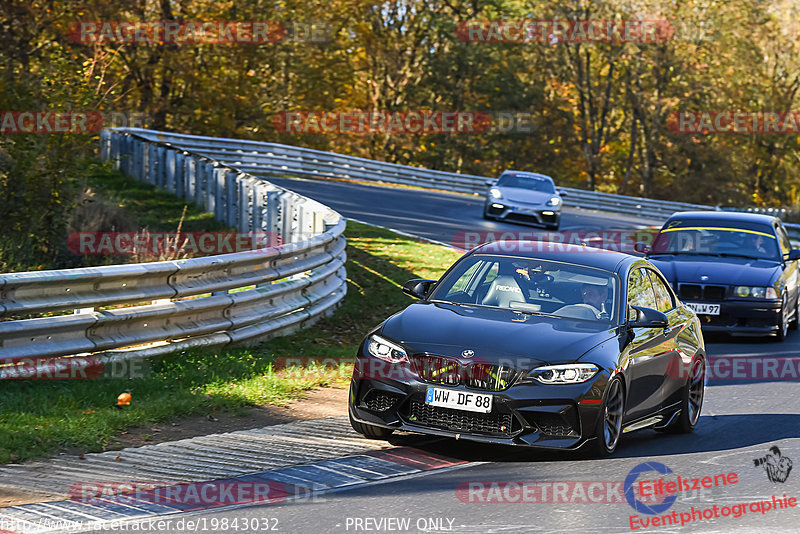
(459, 400)
(704, 309)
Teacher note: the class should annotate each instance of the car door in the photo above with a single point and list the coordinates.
(648, 352)
(790, 268)
(674, 379)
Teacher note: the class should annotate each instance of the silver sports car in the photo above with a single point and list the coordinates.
(526, 197)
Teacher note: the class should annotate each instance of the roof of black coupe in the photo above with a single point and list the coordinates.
(546, 250)
(736, 216)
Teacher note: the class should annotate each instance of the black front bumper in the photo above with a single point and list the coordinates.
(744, 318)
(561, 417)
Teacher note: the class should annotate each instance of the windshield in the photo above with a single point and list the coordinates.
(532, 183)
(717, 238)
(531, 286)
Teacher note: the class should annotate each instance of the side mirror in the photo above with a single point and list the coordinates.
(647, 318)
(418, 287)
(641, 247)
(489, 183)
(562, 192)
(793, 255)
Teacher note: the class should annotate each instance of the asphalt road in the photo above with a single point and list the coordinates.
(436, 215)
(741, 420)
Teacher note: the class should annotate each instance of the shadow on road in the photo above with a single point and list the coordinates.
(713, 433)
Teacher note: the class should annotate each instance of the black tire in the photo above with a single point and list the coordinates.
(370, 431)
(783, 325)
(691, 400)
(609, 424)
(552, 227)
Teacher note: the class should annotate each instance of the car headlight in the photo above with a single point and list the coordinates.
(386, 350)
(571, 373)
(555, 201)
(755, 292)
(495, 193)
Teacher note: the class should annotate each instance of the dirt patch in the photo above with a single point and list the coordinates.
(316, 404)
(14, 497)
(319, 403)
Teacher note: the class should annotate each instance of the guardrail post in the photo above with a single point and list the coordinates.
(115, 139)
(230, 179)
(271, 222)
(169, 171)
(105, 144)
(317, 222)
(151, 164)
(161, 165)
(190, 177)
(145, 163)
(287, 217)
(303, 222)
(180, 169)
(137, 159)
(245, 219)
(130, 164)
(216, 182)
(208, 185)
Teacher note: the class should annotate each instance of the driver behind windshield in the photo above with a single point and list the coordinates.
(759, 245)
(595, 296)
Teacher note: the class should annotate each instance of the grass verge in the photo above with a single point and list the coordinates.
(38, 417)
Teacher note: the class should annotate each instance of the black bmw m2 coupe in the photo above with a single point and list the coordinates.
(534, 344)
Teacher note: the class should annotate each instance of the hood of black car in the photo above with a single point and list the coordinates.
(721, 271)
(493, 334)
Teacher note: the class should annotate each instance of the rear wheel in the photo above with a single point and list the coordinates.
(609, 427)
(370, 431)
(692, 399)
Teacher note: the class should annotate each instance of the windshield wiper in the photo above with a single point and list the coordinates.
(711, 254)
(733, 255)
(686, 253)
(451, 302)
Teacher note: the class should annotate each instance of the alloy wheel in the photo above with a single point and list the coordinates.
(696, 390)
(612, 416)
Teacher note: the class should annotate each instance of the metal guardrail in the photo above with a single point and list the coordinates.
(794, 233)
(172, 305)
(272, 159)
